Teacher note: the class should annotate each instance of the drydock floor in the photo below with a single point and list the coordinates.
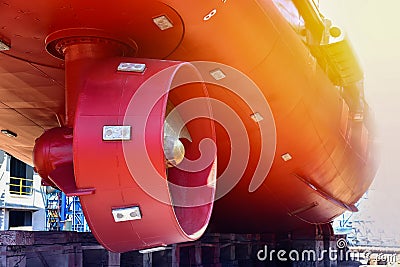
(59, 249)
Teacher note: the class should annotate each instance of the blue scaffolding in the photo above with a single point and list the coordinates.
(64, 213)
(52, 206)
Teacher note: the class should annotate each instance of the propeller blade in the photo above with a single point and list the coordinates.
(174, 129)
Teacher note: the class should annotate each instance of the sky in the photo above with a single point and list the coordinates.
(374, 30)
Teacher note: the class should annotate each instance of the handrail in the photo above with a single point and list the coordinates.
(21, 186)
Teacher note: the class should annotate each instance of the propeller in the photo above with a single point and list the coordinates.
(174, 130)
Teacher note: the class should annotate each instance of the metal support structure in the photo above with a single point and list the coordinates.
(357, 226)
(53, 204)
(64, 213)
(74, 214)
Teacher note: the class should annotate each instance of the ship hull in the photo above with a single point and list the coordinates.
(305, 161)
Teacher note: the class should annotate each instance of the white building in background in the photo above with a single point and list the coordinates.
(22, 202)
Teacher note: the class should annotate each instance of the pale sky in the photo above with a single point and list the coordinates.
(374, 30)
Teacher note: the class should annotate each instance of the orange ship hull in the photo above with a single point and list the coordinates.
(301, 156)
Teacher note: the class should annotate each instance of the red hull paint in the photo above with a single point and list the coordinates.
(332, 155)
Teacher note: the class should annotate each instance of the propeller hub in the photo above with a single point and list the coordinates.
(174, 151)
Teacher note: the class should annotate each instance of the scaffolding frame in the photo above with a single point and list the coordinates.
(64, 213)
